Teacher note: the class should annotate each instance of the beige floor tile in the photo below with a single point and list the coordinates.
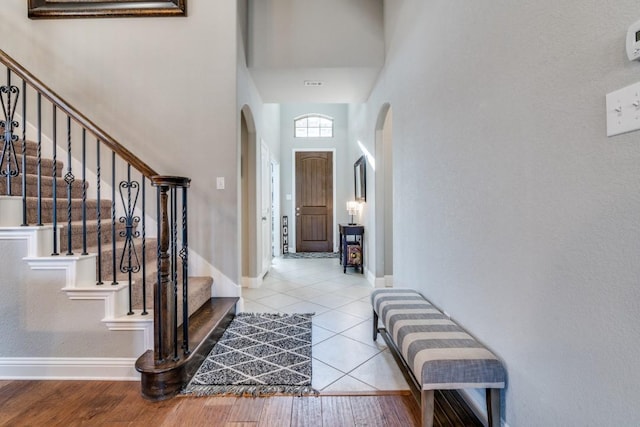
(323, 374)
(254, 307)
(347, 384)
(381, 372)
(363, 332)
(304, 307)
(278, 301)
(257, 293)
(319, 334)
(334, 300)
(357, 308)
(343, 353)
(336, 321)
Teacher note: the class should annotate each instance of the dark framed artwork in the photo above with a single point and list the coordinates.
(51, 9)
(360, 179)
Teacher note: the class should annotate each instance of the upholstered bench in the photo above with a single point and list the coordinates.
(438, 353)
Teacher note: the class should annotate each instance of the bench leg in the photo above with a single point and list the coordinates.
(427, 406)
(493, 406)
(375, 325)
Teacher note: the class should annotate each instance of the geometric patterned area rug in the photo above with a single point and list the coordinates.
(259, 354)
(304, 255)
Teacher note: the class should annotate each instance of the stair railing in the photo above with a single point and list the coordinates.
(70, 161)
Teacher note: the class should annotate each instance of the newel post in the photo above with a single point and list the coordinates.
(165, 291)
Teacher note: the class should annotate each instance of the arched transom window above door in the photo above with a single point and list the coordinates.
(313, 126)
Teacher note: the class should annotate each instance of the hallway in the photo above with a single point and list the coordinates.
(345, 359)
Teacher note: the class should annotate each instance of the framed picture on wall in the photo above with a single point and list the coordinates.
(42, 9)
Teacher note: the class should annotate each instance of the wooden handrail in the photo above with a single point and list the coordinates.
(77, 116)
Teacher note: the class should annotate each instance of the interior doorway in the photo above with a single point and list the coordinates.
(314, 201)
(384, 198)
(248, 199)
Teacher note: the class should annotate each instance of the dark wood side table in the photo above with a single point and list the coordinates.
(357, 231)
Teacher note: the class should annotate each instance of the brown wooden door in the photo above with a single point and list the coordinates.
(314, 201)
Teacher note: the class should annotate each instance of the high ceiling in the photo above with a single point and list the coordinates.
(328, 51)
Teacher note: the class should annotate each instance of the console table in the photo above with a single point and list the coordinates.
(357, 231)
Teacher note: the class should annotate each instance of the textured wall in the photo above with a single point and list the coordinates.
(515, 213)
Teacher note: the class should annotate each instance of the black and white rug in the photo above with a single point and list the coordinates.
(259, 354)
(312, 255)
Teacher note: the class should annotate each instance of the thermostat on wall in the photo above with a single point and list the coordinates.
(633, 41)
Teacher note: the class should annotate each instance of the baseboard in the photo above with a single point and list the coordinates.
(68, 368)
(251, 282)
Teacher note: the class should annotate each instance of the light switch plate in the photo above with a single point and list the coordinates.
(220, 183)
(623, 110)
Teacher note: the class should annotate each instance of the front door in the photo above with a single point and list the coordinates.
(314, 201)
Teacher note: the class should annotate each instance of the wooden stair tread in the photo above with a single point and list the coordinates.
(206, 326)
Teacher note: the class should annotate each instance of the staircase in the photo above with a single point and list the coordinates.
(91, 208)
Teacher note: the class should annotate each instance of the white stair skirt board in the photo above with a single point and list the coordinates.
(49, 368)
(80, 270)
(39, 239)
(11, 208)
(80, 285)
(135, 322)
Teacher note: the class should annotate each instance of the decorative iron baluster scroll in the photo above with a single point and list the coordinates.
(8, 160)
(130, 220)
(184, 256)
(69, 179)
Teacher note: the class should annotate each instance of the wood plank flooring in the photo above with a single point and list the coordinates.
(103, 403)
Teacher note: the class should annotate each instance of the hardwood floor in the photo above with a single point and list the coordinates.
(102, 403)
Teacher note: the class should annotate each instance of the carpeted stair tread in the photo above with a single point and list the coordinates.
(62, 209)
(46, 186)
(92, 234)
(46, 166)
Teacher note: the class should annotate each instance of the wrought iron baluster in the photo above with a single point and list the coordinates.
(84, 191)
(144, 248)
(39, 161)
(113, 218)
(24, 154)
(55, 187)
(68, 179)
(130, 221)
(184, 255)
(98, 212)
(174, 277)
(9, 168)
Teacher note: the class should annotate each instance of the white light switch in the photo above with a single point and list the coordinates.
(623, 110)
(220, 183)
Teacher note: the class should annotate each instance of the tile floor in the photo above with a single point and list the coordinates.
(345, 358)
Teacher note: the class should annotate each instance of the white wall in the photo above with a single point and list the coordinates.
(266, 119)
(163, 87)
(515, 213)
(338, 42)
(343, 168)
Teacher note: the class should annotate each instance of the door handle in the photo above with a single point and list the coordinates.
(264, 218)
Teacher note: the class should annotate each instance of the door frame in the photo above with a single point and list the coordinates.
(292, 226)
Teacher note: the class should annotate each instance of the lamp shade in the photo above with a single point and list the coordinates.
(353, 207)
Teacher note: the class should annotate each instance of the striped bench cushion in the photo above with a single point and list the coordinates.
(441, 354)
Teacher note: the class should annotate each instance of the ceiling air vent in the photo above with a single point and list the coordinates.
(312, 83)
